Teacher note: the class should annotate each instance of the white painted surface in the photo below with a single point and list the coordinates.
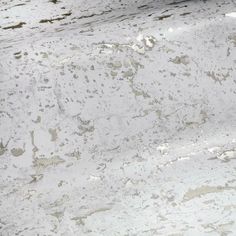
(117, 118)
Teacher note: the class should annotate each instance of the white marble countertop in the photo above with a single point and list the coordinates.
(117, 117)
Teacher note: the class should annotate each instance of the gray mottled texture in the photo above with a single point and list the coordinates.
(117, 118)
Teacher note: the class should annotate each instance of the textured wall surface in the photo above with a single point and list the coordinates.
(117, 117)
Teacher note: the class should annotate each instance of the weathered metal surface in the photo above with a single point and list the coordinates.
(117, 117)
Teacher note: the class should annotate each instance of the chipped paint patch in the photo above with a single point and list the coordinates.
(16, 152)
(181, 60)
(53, 133)
(204, 190)
(42, 163)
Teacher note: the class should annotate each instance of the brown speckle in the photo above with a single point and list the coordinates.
(19, 25)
